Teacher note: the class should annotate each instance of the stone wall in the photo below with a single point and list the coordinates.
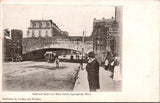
(32, 44)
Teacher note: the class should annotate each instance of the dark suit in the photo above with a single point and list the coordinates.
(93, 75)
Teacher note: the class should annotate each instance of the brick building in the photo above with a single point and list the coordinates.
(100, 34)
(106, 35)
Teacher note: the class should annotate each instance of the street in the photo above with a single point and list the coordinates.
(39, 76)
(43, 76)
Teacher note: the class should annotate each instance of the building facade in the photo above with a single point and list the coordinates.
(106, 35)
(46, 34)
(100, 34)
(44, 28)
(13, 45)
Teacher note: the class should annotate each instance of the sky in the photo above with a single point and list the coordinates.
(70, 18)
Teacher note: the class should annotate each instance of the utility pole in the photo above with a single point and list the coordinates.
(42, 14)
(85, 32)
(82, 50)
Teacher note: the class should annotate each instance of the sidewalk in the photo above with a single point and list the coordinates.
(106, 83)
(81, 84)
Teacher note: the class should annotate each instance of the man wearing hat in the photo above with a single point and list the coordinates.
(92, 69)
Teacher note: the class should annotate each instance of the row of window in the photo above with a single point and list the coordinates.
(40, 24)
(39, 33)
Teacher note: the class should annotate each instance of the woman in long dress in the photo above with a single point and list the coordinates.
(117, 71)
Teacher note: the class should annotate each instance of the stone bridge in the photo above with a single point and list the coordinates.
(56, 43)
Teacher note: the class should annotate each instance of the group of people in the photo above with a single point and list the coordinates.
(112, 64)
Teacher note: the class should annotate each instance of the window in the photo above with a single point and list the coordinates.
(28, 33)
(98, 42)
(18, 41)
(46, 33)
(33, 35)
(40, 33)
(40, 24)
(48, 24)
(34, 24)
(99, 30)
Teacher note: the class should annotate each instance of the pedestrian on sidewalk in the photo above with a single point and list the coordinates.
(114, 64)
(92, 69)
(117, 72)
(109, 59)
(106, 63)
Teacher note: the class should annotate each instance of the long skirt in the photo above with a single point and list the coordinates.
(117, 74)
